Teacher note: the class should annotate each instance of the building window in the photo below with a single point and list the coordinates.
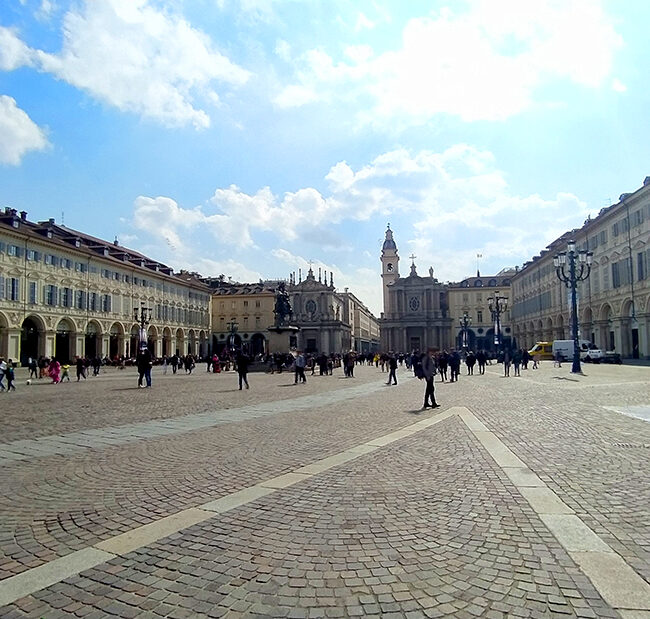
(32, 292)
(245, 303)
(479, 316)
(12, 287)
(92, 301)
(258, 304)
(641, 265)
(50, 295)
(106, 302)
(66, 297)
(80, 299)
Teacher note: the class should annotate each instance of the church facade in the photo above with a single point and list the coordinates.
(416, 308)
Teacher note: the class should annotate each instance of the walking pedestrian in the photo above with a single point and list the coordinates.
(33, 367)
(517, 357)
(300, 363)
(507, 360)
(81, 368)
(10, 374)
(392, 368)
(242, 368)
(429, 373)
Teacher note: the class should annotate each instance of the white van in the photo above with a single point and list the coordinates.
(588, 351)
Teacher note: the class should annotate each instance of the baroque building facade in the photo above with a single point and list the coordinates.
(65, 294)
(329, 321)
(613, 302)
(416, 310)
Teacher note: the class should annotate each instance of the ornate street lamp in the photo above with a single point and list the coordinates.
(465, 322)
(233, 326)
(497, 305)
(142, 315)
(579, 267)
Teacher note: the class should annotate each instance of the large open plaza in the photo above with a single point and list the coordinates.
(518, 497)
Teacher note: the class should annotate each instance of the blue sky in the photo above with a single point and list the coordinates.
(247, 137)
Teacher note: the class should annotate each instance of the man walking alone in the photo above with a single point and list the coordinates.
(300, 368)
(429, 373)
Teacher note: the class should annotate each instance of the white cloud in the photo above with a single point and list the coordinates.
(20, 134)
(482, 64)
(13, 52)
(283, 50)
(445, 206)
(130, 55)
(46, 10)
(618, 86)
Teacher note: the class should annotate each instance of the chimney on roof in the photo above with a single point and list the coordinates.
(51, 220)
(23, 215)
(116, 242)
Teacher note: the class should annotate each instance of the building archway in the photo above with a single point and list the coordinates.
(4, 338)
(202, 344)
(607, 333)
(167, 342)
(559, 327)
(93, 339)
(180, 341)
(31, 339)
(116, 340)
(134, 341)
(191, 342)
(152, 338)
(629, 330)
(258, 344)
(63, 341)
(469, 343)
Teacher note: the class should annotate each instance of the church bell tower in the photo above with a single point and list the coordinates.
(389, 266)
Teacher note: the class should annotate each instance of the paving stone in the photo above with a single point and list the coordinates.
(428, 523)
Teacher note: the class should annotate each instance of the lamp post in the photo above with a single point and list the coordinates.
(233, 325)
(142, 315)
(579, 267)
(465, 322)
(497, 305)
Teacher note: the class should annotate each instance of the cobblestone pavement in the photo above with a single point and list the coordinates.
(428, 523)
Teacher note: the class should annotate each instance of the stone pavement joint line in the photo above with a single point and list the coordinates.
(612, 577)
(100, 438)
(51, 573)
(33, 580)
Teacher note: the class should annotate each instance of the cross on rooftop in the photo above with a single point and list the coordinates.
(413, 257)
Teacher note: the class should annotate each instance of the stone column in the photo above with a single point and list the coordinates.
(105, 345)
(12, 343)
(46, 343)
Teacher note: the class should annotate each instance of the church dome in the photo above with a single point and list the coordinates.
(389, 243)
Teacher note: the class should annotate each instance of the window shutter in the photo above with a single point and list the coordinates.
(2, 287)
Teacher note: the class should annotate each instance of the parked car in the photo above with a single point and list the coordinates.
(589, 353)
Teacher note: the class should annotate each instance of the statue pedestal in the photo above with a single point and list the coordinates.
(282, 339)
